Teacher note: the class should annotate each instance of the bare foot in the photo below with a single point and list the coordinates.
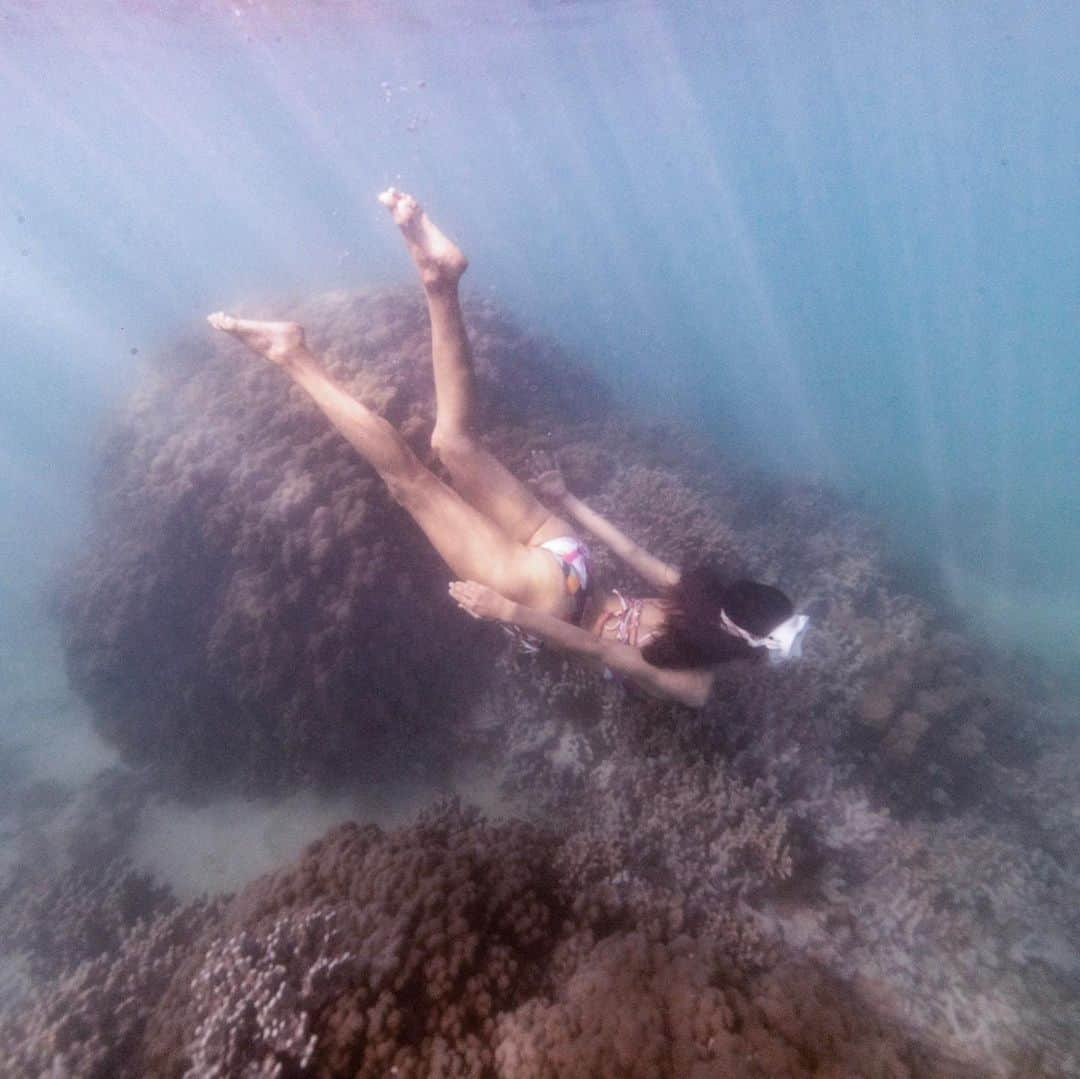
(439, 261)
(277, 341)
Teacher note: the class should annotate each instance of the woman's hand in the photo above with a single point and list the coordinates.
(480, 601)
(548, 479)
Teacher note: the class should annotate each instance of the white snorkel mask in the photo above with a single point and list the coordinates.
(785, 642)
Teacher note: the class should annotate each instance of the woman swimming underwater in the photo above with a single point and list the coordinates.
(519, 562)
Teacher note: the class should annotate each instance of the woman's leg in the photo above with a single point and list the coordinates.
(471, 545)
(480, 477)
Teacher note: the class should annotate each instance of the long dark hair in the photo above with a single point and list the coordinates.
(693, 635)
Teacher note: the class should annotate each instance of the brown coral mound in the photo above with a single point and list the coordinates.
(451, 947)
(375, 952)
(636, 1008)
(629, 1007)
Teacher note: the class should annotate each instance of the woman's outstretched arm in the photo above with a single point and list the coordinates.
(689, 687)
(654, 570)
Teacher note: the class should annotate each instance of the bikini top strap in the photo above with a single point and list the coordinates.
(628, 618)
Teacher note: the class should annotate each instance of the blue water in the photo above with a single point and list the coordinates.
(841, 239)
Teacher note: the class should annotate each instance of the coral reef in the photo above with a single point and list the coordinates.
(940, 923)
(684, 845)
(832, 866)
(451, 947)
(258, 993)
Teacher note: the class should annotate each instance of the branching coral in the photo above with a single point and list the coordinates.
(629, 1007)
(258, 993)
